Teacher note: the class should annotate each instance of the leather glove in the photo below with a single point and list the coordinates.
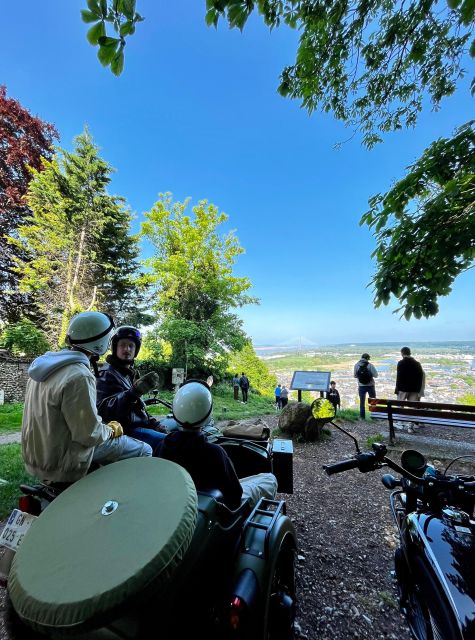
(146, 383)
(117, 430)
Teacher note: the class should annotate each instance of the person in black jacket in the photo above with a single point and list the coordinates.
(119, 389)
(207, 463)
(410, 380)
(333, 395)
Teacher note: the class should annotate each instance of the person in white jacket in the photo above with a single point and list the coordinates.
(62, 433)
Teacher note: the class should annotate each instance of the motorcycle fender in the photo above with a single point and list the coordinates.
(260, 558)
(449, 551)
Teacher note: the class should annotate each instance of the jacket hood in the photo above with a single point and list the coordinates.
(43, 366)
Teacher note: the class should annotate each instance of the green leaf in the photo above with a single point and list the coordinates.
(127, 28)
(453, 4)
(128, 8)
(104, 8)
(106, 41)
(94, 7)
(117, 63)
(467, 11)
(96, 32)
(107, 52)
(472, 49)
(89, 16)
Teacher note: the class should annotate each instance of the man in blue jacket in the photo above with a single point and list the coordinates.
(119, 389)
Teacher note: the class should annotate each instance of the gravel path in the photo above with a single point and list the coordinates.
(346, 542)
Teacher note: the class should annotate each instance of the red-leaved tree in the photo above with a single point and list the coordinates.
(24, 139)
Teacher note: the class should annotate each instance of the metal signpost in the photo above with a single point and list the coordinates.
(310, 381)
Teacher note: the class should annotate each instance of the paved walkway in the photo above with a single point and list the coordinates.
(8, 438)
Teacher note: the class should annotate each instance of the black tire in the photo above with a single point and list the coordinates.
(279, 618)
(428, 613)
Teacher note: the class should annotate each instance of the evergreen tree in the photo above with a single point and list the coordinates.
(79, 253)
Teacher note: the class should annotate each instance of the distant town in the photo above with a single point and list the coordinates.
(449, 367)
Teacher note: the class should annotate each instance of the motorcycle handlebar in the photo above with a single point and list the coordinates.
(150, 401)
(339, 467)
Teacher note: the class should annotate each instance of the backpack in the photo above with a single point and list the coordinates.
(364, 374)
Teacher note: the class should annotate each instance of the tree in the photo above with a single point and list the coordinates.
(24, 338)
(121, 15)
(191, 273)
(261, 379)
(370, 62)
(24, 140)
(79, 255)
(425, 226)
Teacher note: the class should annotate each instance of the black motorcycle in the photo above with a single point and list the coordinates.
(434, 563)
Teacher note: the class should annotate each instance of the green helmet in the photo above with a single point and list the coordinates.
(91, 331)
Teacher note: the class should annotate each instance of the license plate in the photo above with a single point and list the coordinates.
(17, 525)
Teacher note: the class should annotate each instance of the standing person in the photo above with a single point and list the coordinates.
(284, 396)
(333, 396)
(366, 373)
(244, 384)
(277, 393)
(119, 389)
(236, 386)
(410, 380)
(62, 433)
(207, 463)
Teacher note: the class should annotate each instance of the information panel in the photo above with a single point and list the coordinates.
(311, 380)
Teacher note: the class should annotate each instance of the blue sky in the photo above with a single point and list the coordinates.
(196, 112)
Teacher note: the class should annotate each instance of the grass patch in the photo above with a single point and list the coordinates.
(351, 415)
(10, 417)
(470, 380)
(378, 437)
(13, 472)
(225, 407)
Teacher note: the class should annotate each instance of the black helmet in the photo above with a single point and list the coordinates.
(131, 333)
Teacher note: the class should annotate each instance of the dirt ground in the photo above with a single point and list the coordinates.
(346, 543)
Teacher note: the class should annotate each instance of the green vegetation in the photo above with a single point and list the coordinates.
(24, 338)
(470, 380)
(10, 417)
(13, 472)
(256, 370)
(305, 362)
(376, 438)
(75, 251)
(194, 290)
(468, 398)
(349, 415)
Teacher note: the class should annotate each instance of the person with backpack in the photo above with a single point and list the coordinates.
(244, 384)
(365, 372)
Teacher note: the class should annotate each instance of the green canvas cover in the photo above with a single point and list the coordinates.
(77, 567)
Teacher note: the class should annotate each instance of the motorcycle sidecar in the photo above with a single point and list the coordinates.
(131, 551)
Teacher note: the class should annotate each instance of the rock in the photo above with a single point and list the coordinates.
(294, 417)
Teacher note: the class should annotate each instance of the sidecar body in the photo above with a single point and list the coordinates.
(132, 551)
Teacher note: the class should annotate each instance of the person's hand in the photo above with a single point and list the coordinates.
(116, 427)
(146, 383)
(156, 426)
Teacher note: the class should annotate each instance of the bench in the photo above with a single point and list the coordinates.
(437, 413)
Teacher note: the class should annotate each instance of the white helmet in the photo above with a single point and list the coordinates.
(192, 404)
(91, 331)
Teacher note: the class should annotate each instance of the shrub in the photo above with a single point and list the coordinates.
(23, 338)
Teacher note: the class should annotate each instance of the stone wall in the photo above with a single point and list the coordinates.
(13, 377)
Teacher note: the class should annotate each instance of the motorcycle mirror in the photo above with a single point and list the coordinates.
(390, 482)
(209, 381)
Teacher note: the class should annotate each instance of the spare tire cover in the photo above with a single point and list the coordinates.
(85, 557)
